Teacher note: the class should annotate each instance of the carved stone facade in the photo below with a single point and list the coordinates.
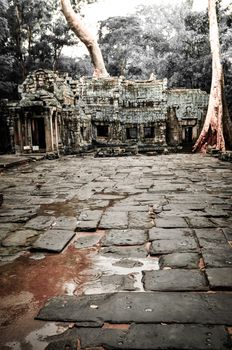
(114, 115)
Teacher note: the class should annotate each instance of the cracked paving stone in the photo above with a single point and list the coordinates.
(140, 220)
(219, 257)
(118, 252)
(53, 240)
(112, 220)
(86, 241)
(174, 280)
(20, 238)
(145, 307)
(124, 237)
(171, 222)
(180, 260)
(220, 277)
(166, 246)
(200, 222)
(145, 336)
(157, 233)
(40, 222)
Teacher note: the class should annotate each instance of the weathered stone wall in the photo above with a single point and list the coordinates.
(109, 112)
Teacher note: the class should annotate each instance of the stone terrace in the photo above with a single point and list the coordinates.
(146, 242)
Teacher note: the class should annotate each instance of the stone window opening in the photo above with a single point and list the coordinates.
(131, 133)
(102, 130)
(149, 132)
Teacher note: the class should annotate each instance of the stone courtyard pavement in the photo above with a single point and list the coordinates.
(117, 253)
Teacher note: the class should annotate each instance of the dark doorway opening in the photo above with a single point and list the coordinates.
(188, 135)
(131, 133)
(38, 133)
(149, 132)
(102, 130)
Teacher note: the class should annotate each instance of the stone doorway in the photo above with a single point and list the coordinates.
(188, 135)
(38, 134)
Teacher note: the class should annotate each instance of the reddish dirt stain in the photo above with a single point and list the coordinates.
(26, 284)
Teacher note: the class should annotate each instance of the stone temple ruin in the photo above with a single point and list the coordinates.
(112, 116)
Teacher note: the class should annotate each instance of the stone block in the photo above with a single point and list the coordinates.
(174, 280)
(171, 222)
(53, 240)
(124, 237)
(111, 220)
(180, 260)
(40, 222)
(220, 278)
(168, 246)
(218, 257)
(157, 233)
(150, 307)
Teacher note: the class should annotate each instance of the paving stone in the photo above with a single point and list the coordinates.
(131, 208)
(220, 278)
(87, 226)
(157, 233)
(127, 263)
(180, 260)
(65, 223)
(220, 257)
(112, 220)
(221, 222)
(228, 233)
(119, 282)
(19, 238)
(145, 336)
(174, 280)
(200, 222)
(166, 246)
(86, 241)
(124, 237)
(40, 222)
(90, 215)
(53, 240)
(170, 222)
(132, 251)
(148, 307)
(140, 220)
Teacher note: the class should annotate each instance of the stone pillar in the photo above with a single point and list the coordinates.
(51, 130)
(56, 134)
(48, 130)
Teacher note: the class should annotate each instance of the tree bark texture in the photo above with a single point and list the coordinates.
(86, 37)
(212, 131)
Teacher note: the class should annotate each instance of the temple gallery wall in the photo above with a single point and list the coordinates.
(111, 115)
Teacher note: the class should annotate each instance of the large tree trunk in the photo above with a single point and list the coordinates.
(212, 131)
(86, 37)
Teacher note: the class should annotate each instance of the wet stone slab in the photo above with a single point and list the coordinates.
(167, 246)
(219, 257)
(124, 237)
(220, 278)
(170, 222)
(174, 280)
(40, 222)
(210, 237)
(228, 233)
(201, 222)
(145, 336)
(119, 282)
(157, 233)
(115, 220)
(65, 223)
(140, 220)
(86, 241)
(53, 240)
(125, 252)
(19, 238)
(180, 260)
(148, 307)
